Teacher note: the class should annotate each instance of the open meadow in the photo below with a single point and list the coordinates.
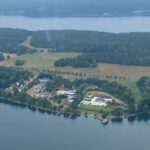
(45, 60)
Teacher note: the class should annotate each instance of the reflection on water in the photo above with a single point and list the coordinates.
(119, 120)
(30, 129)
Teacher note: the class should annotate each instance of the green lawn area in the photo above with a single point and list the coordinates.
(44, 59)
(131, 84)
(97, 109)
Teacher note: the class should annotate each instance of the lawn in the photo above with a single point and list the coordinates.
(44, 59)
(96, 109)
(131, 84)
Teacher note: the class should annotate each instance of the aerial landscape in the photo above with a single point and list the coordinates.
(74, 73)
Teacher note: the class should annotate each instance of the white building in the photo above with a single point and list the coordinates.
(44, 80)
(94, 103)
(66, 92)
(97, 100)
(107, 99)
(70, 94)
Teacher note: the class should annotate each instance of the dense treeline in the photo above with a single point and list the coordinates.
(26, 100)
(10, 40)
(80, 61)
(90, 41)
(19, 62)
(144, 86)
(9, 76)
(125, 58)
(2, 57)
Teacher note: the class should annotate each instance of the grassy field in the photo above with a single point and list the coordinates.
(96, 109)
(133, 72)
(39, 60)
(43, 60)
(131, 84)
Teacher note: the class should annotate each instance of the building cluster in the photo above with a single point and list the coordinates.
(10, 90)
(20, 86)
(70, 94)
(39, 90)
(97, 100)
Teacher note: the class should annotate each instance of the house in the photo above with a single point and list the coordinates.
(94, 102)
(39, 88)
(44, 80)
(97, 100)
(107, 99)
(66, 92)
(10, 90)
(70, 94)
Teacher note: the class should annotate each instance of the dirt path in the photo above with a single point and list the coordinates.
(27, 43)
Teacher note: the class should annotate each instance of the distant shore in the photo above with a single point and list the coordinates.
(113, 24)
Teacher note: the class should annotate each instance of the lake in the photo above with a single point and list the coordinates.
(107, 24)
(23, 129)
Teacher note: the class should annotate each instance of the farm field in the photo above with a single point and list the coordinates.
(133, 72)
(45, 60)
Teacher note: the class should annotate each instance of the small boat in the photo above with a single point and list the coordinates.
(104, 121)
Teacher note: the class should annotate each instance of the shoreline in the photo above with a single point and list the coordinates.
(42, 110)
(71, 115)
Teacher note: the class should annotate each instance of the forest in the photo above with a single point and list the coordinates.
(10, 40)
(144, 86)
(9, 76)
(95, 47)
(2, 57)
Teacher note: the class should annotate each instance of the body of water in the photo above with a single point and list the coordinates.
(107, 24)
(23, 129)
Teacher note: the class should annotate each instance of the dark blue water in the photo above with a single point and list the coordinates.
(23, 129)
